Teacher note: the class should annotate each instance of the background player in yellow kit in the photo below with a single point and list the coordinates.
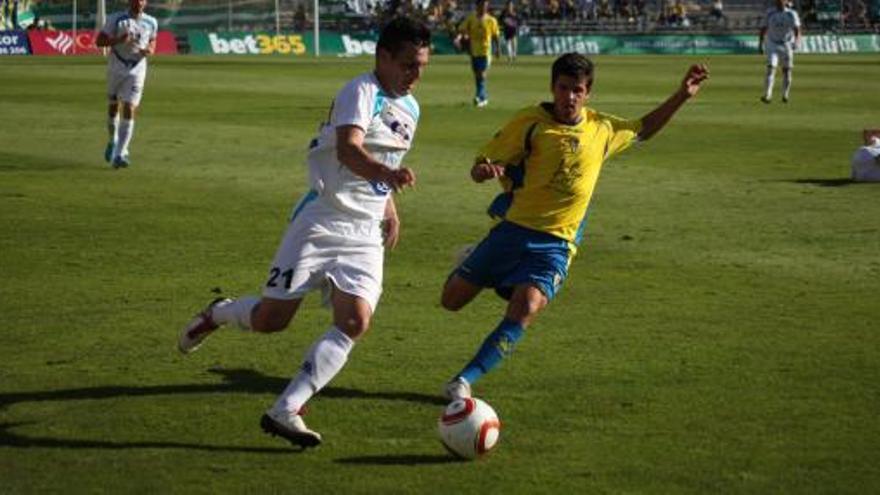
(481, 32)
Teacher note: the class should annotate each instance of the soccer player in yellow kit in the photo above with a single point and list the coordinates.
(547, 158)
(481, 31)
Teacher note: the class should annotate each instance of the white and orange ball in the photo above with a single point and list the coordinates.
(469, 428)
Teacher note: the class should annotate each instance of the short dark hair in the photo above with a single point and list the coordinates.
(573, 65)
(402, 30)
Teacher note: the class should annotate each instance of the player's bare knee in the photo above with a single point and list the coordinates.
(525, 304)
(451, 302)
(354, 326)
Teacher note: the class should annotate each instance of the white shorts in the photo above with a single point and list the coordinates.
(319, 249)
(780, 52)
(125, 83)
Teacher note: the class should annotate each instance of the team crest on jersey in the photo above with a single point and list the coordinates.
(380, 188)
(573, 144)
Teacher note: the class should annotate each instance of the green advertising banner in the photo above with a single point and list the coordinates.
(245, 43)
(689, 44)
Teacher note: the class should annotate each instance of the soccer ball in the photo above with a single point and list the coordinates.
(469, 428)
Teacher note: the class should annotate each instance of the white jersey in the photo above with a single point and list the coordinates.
(781, 25)
(141, 31)
(389, 125)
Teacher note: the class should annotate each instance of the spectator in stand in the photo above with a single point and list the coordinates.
(553, 11)
(625, 11)
(717, 12)
(859, 15)
(434, 16)
(664, 16)
(604, 11)
(525, 10)
(510, 23)
(451, 18)
(586, 9)
(808, 12)
(679, 14)
(569, 9)
(641, 13)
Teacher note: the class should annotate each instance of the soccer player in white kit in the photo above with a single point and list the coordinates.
(865, 161)
(780, 35)
(338, 231)
(130, 36)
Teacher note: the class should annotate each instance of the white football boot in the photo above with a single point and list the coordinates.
(200, 327)
(291, 427)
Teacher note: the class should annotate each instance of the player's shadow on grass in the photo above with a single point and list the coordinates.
(234, 381)
(13, 162)
(399, 460)
(10, 439)
(841, 182)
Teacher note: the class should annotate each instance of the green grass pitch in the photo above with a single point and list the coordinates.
(717, 333)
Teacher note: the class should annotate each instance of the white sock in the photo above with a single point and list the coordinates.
(112, 126)
(786, 83)
(768, 82)
(126, 130)
(324, 360)
(238, 312)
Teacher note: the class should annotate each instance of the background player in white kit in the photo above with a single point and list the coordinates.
(131, 36)
(334, 240)
(865, 162)
(779, 37)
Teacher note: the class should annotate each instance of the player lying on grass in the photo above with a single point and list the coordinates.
(547, 158)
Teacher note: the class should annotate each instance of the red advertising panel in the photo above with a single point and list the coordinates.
(65, 43)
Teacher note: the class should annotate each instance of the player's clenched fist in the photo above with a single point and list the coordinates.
(398, 179)
(403, 177)
(695, 76)
(486, 170)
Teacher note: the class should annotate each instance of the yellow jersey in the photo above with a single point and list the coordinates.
(551, 168)
(480, 32)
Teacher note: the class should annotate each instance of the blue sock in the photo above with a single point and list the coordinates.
(481, 89)
(498, 345)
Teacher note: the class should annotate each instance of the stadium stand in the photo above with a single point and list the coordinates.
(540, 16)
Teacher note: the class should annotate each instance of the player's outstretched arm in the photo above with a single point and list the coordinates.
(350, 152)
(660, 116)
